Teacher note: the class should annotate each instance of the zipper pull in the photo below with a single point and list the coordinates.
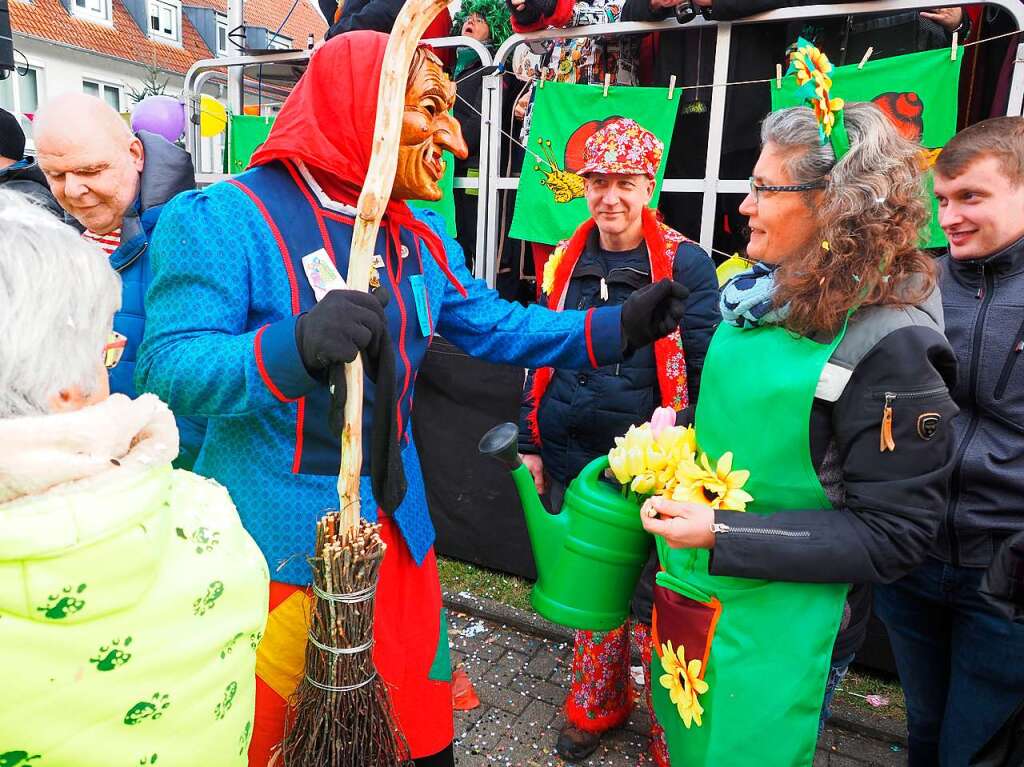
(719, 527)
(887, 442)
(604, 290)
(1019, 347)
(981, 288)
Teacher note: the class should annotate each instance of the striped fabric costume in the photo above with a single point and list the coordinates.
(228, 286)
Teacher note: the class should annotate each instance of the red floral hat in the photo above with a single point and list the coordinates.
(622, 146)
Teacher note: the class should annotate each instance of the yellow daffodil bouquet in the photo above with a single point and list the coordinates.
(660, 458)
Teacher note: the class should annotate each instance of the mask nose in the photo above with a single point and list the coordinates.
(449, 136)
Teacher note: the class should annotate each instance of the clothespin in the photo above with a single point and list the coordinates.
(543, 77)
(671, 87)
(952, 50)
(778, 76)
(607, 82)
(867, 55)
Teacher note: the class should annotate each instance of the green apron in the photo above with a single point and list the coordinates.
(764, 646)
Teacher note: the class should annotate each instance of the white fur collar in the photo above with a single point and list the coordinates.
(39, 454)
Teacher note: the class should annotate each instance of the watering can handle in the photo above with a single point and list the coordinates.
(593, 470)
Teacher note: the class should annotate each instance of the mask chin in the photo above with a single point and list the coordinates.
(413, 180)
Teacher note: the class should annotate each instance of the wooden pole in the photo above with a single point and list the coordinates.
(412, 22)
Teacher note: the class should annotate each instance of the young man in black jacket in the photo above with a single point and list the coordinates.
(960, 659)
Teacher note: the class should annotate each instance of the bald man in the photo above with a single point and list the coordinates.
(112, 185)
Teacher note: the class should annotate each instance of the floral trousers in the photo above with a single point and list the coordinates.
(601, 694)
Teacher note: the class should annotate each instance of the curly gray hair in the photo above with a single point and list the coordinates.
(58, 295)
(871, 213)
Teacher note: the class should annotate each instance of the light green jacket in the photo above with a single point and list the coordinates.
(131, 598)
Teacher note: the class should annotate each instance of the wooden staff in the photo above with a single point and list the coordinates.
(412, 22)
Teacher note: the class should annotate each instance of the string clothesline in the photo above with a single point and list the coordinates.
(772, 79)
(533, 79)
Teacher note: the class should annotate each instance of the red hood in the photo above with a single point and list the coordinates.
(327, 120)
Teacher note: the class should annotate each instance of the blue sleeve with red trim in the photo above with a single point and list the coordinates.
(217, 341)
(486, 326)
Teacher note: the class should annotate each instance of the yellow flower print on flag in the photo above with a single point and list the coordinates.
(683, 682)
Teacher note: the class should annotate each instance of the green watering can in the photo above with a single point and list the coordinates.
(589, 556)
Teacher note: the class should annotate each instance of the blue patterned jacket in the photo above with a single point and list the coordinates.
(227, 286)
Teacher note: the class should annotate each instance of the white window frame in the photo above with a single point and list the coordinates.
(164, 9)
(278, 43)
(93, 10)
(222, 25)
(18, 109)
(102, 86)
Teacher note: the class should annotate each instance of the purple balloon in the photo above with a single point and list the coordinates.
(163, 115)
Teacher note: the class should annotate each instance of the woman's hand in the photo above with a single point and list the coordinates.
(948, 18)
(682, 525)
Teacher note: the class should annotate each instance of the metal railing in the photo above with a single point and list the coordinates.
(491, 181)
(711, 184)
(202, 72)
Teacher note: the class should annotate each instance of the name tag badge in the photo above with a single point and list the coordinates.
(322, 274)
(419, 294)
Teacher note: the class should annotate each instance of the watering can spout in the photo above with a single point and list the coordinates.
(547, 531)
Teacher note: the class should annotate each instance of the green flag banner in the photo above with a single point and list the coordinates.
(446, 205)
(550, 203)
(917, 91)
(247, 134)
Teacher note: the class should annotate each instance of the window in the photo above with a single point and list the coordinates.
(109, 93)
(222, 36)
(278, 43)
(97, 10)
(164, 19)
(19, 95)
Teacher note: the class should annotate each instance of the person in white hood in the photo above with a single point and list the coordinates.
(131, 598)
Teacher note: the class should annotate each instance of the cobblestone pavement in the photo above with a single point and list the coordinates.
(521, 680)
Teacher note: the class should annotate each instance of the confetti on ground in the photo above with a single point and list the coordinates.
(521, 682)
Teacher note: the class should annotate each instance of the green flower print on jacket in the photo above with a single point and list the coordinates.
(63, 604)
(203, 538)
(148, 709)
(205, 603)
(111, 656)
(17, 758)
(229, 698)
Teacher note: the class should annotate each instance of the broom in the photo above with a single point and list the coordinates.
(342, 712)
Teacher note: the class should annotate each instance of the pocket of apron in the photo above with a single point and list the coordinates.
(686, 616)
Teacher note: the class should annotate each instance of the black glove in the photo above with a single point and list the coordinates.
(343, 324)
(534, 11)
(651, 313)
(334, 331)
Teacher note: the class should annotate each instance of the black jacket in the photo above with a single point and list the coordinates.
(983, 302)
(888, 506)
(584, 410)
(25, 177)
